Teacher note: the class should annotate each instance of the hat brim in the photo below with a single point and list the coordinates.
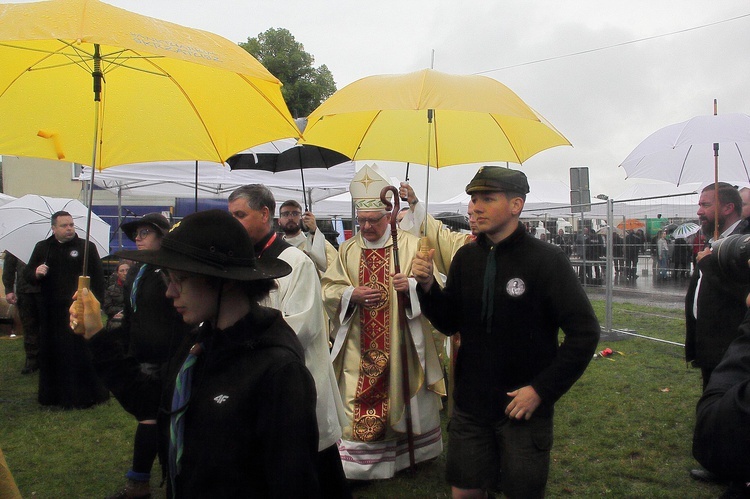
(165, 258)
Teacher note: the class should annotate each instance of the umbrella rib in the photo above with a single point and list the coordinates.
(508, 139)
(82, 61)
(744, 164)
(684, 161)
(274, 106)
(362, 137)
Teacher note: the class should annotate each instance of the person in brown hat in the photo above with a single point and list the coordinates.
(508, 294)
(150, 328)
(236, 405)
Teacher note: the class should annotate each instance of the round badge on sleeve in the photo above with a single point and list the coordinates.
(515, 287)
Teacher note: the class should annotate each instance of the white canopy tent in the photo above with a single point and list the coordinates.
(186, 179)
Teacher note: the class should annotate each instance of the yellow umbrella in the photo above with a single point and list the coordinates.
(97, 85)
(463, 119)
(167, 92)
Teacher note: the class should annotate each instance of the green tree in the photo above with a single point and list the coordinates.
(305, 86)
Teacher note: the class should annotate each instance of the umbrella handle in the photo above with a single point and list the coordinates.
(84, 281)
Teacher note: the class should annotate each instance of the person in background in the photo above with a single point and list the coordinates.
(151, 329)
(662, 252)
(66, 375)
(508, 294)
(19, 292)
(633, 245)
(114, 299)
(237, 404)
(314, 243)
(745, 196)
(562, 241)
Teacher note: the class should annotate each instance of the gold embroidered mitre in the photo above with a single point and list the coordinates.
(365, 189)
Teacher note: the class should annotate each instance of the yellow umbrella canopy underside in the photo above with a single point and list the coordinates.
(476, 119)
(168, 92)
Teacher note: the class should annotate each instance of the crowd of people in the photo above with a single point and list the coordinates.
(671, 257)
(248, 356)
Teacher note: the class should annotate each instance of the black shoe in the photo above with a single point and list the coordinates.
(704, 475)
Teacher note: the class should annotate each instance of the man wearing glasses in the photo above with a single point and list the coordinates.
(66, 375)
(359, 292)
(314, 244)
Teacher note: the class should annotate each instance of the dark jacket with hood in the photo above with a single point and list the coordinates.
(154, 328)
(250, 426)
(534, 293)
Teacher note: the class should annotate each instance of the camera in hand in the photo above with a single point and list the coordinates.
(733, 253)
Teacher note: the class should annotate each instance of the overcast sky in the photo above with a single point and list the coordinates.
(605, 102)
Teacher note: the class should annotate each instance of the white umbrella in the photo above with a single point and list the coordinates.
(26, 221)
(685, 230)
(684, 152)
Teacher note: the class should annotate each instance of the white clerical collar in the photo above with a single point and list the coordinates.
(295, 240)
(380, 243)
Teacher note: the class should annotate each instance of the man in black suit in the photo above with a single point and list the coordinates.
(714, 305)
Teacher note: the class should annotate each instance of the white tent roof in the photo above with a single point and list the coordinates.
(177, 179)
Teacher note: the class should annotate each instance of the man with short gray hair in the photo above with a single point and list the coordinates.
(298, 299)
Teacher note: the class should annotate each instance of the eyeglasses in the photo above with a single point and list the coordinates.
(174, 279)
(372, 221)
(143, 233)
(289, 214)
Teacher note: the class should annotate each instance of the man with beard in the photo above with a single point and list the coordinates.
(714, 305)
(314, 244)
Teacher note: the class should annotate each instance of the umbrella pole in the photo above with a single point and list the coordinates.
(716, 183)
(195, 210)
(304, 192)
(84, 281)
(119, 216)
(716, 191)
(424, 244)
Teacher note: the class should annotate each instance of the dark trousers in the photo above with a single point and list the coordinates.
(28, 311)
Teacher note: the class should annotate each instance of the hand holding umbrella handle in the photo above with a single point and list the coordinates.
(84, 281)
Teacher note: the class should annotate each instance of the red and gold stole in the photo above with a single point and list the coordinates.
(371, 402)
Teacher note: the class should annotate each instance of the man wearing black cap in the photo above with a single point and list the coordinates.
(508, 293)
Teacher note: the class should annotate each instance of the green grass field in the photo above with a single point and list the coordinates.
(624, 430)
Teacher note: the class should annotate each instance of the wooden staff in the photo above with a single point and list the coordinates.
(403, 326)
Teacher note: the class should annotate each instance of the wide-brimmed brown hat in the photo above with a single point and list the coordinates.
(156, 220)
(210, 243)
